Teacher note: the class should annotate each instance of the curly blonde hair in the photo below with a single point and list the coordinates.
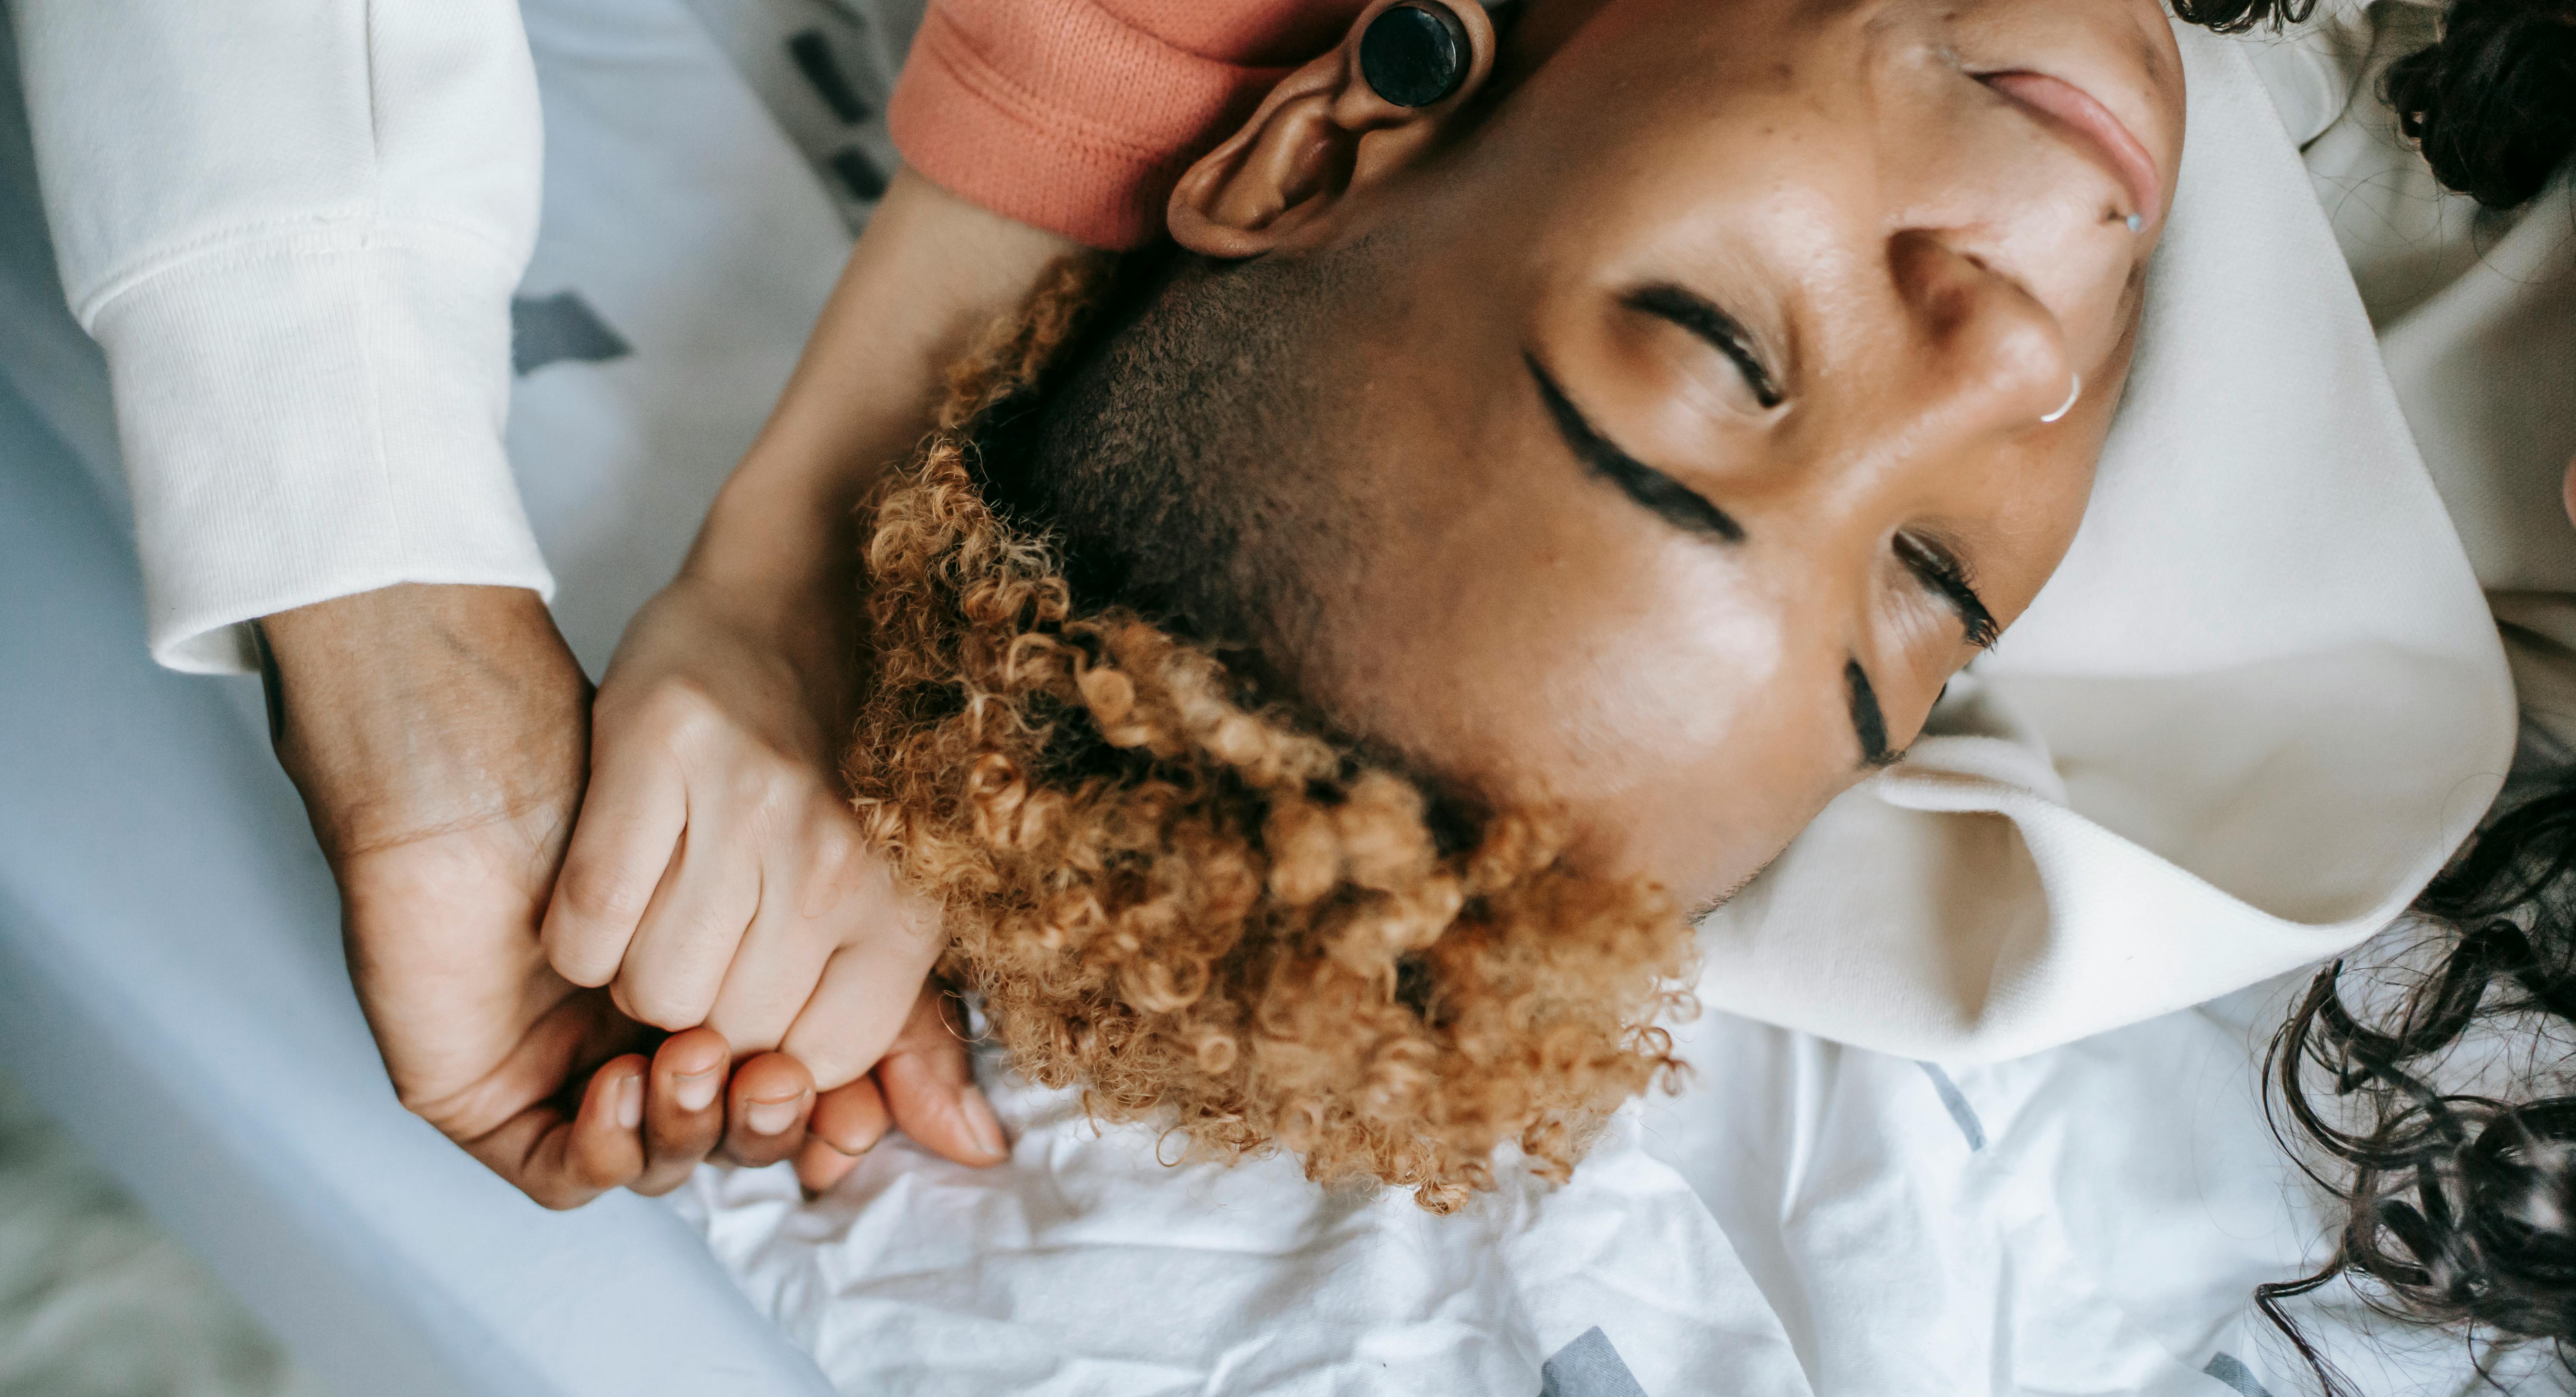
(1191, 902)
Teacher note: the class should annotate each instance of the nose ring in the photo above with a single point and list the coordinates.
(2074, 390)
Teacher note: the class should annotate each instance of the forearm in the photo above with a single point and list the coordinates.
(930, 271)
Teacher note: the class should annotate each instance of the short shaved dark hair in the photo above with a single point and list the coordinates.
(1172, 454)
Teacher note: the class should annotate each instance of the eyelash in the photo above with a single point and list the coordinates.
(1754, 376)
(1938, 563)
(1715, 326)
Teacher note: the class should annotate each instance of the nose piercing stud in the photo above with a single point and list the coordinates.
(2135, 223)
(1415, 55)
(2074, 390)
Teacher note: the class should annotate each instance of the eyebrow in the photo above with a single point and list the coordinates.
(1691, 512)
(1701, 317)
(1866, 718)
(1677, 504)
(1941, 572)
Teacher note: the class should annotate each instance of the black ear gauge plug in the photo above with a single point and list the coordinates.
(1416, 55)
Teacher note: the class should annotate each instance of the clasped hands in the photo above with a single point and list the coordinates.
(536, 887)
(601, 941)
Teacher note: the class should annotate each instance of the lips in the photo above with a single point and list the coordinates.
(2092, 127)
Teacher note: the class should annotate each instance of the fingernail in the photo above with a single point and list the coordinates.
(770, 1117)
(696, 1091)
(630, 1101)
(982, 1124)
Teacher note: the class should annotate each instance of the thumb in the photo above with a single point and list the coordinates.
(929, 1086)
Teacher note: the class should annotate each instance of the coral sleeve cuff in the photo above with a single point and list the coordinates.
(1079, 116)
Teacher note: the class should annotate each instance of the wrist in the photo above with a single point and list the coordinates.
(777, 535)
(416, 706)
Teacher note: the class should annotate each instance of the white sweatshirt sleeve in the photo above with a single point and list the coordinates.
(294, 226)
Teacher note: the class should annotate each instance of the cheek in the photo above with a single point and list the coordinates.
(1689, 669)
(1659, 697)
(1702, 820)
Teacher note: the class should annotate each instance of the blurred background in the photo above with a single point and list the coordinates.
(96, 1300)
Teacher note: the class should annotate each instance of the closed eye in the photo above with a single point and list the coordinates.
(1720, 331)
(1941, 573)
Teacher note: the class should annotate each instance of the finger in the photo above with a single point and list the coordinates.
(846, 1124)
(565, 1163)
(623, 842)
(677, 960)
(565, 1045)
(866, 991)
(683, 1110)
(606, 1146)
(767, 1105)
(851, 1118)
(930, 1091)
(791, 937)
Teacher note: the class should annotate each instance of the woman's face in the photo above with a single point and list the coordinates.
(1693, 433)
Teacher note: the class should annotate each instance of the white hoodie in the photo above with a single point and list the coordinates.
(294, 226)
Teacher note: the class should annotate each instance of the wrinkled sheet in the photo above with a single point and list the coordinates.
(1086, 1266)
(1805, 1220)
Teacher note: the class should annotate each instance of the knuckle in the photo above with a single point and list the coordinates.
(833, 1058)
(775, 795)
(601, 891)
(454, 1114)
(747, 1034)
(578, 962)
(835, 848)
(665, 1009)
(679, 711)
(714, 931)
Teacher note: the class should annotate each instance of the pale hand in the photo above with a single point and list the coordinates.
(717, 875)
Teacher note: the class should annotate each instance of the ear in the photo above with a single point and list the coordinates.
(1320, 134)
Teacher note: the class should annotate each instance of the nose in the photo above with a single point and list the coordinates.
(1989, 355)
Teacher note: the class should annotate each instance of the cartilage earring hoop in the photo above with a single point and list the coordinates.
(2074, 390)
(1416, 55)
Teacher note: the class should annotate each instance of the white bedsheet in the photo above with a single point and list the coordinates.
(1807, 1220)
(1087, 1266)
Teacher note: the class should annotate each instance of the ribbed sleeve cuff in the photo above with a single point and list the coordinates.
(1061, 116)
(312, 415)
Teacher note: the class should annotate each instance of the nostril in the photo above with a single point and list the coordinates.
(1998, 346)
(1936, 279)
